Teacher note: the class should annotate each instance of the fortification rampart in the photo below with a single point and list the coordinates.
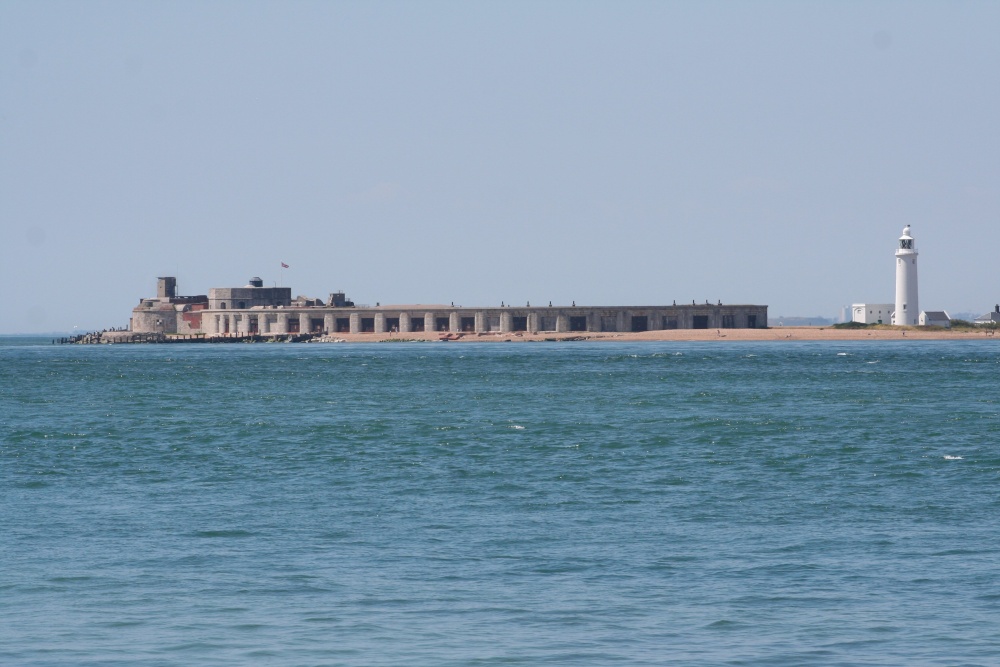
(267, 311)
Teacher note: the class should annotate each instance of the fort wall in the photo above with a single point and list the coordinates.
(268, 311)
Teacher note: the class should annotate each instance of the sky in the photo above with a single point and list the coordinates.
(607, 153)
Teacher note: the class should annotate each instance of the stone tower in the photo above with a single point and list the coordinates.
(166, 288)
(907, 304)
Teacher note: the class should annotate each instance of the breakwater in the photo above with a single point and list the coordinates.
(132, 338)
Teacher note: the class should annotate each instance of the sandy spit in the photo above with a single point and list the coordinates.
(777, 334)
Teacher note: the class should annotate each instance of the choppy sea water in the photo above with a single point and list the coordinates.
(777, 503)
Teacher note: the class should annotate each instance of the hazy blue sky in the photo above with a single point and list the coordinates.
(477, 152)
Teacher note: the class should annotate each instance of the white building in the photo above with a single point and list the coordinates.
(990, 318)
(935, 318)
(872, 313)
(907, 308)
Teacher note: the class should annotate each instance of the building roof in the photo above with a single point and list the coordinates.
(936, 315)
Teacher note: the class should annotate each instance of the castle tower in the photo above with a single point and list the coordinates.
(166, 288)
(907, 305)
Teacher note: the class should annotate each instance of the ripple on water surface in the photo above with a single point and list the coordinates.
(802, 503)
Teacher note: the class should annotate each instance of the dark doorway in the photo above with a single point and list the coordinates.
(367, 325)
(468, 324)
(752, 321)
(417, 324)
(293, 325)
(343, 325)
(441, 324)
(254, 327)
(700, 322)
(640, 323)
(578, 323)
(316, 325)
(392, 323)
(519, 324)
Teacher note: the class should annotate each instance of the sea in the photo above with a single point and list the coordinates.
(445, 504)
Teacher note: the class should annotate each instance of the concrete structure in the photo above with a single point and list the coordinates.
(907, 309)
(270, 311)
(935, 318)
(990, 318)
(253, 295)
(872, 313)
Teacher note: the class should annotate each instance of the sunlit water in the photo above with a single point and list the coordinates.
(500, 504)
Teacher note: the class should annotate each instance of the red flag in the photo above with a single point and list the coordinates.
(284, 266)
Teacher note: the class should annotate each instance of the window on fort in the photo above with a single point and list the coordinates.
(441, 324)
(640, 323)
(254, 327)
(699, 322)
(367, 325)
(222, 305)
(752, 321)
(519, 323)
(293, 325)
(392, 323)
(417, 324)
(468, 324)
(241, 305)
(343, 325)
(578, 323)
(316, 325)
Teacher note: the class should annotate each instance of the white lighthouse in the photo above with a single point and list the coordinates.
(907, 305)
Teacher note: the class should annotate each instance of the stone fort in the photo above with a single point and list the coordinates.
(255, 310)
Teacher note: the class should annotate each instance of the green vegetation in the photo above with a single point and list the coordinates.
(853, 325)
